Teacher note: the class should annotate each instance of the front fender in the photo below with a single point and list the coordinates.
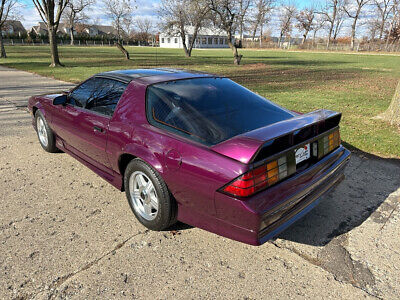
(35, 106)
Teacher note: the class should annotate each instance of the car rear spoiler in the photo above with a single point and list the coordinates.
(263, 142)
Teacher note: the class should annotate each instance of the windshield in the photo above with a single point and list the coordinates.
(209, 110)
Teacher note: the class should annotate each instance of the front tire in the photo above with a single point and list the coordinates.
(45, 134)
(148, 196)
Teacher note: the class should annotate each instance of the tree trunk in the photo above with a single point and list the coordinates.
(3, 53)
(236, 56)
(353, 34)
(332, 21)
(388, 36)
(71, 33)
(381, 28)
(304, 37)
(261, 34)
(392, 114)
(188, 52)
(185, 48)
(280, 39)
(313, 39)
(241, 30)
(55, 59)
(328, 43)
(123, 50)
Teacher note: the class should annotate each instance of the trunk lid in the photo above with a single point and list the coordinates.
(266, 141)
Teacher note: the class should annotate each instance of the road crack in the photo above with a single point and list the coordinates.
(336, 260)
(53, 287)
(391, 213)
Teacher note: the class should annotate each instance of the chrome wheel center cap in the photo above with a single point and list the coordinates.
(144, 196)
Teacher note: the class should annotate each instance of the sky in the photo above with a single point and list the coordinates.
(144, 8)
(148, 9)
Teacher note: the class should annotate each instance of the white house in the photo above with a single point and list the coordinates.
(206, 38)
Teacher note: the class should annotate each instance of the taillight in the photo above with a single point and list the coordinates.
(262, 176)
(328, 143)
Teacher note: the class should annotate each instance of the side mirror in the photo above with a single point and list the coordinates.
(60, 100)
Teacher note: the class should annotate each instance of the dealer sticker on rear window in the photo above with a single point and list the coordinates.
(302, 153)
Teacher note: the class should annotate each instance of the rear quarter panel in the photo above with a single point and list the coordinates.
(191, 171)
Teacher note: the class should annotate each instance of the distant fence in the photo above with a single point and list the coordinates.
(38, 42)
(361, 47)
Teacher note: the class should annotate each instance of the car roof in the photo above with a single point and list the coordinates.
(154, 75)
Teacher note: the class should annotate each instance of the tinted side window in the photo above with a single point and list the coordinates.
(98, 94)
(106, 96)
(83, 93)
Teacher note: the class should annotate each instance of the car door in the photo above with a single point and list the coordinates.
(83, 123)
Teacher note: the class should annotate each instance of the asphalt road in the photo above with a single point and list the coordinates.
(66, 233)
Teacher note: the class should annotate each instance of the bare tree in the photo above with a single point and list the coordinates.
(332, 13)
(243, 7)
(225, 14)
(353, 10)
(305, 19)
(74, 13)
(260, 18)
(144, 28)
(340, 19)
(50, 11)
(319, 23)
(288, 13)
(6, 9)
(383, 8)
(119, 11)
(178, 15)
(373, 27)
(394, 23)
(128, 25)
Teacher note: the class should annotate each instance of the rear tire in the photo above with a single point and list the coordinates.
(45, 135)
(148, 196)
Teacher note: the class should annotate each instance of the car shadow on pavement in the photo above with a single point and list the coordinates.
(369, 181)
(179, 226)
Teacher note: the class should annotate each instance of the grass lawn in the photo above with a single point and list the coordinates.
(360, 86)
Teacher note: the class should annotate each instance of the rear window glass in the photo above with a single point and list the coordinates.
(209, 110)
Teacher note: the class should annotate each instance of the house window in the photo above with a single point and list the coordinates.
(168, 40)
(176, 40)
(226, 41)
(221, 41)
(216, 41)
(209, 41)
(204, 41)
(162, 40)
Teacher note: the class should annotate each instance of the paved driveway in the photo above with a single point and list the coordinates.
(66, 233)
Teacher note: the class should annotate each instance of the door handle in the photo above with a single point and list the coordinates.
(99, 129)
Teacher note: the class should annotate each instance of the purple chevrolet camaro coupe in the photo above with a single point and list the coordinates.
(197, 148)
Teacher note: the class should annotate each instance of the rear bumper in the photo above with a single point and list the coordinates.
(298, 206)
(265, 215)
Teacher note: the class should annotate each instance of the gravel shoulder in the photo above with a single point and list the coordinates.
(66, 233)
